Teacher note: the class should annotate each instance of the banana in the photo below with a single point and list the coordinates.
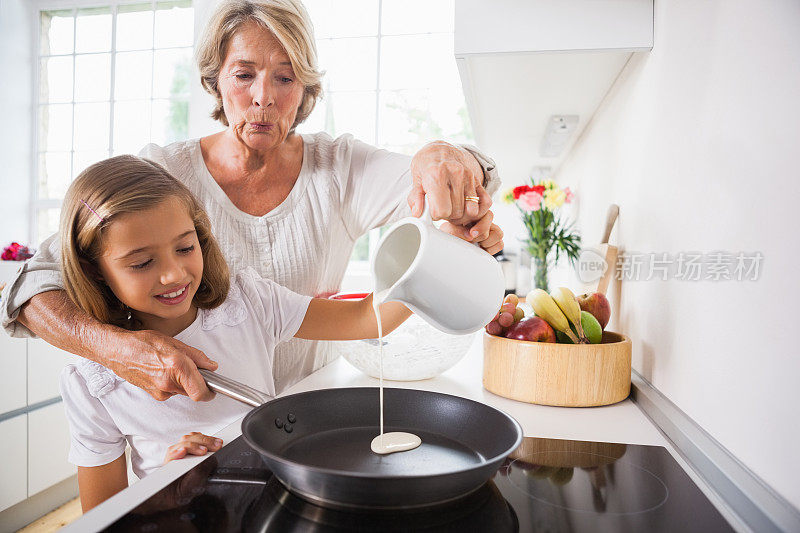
(567, 302)
(546, 308)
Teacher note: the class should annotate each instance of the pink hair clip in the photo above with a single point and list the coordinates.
(92, 210)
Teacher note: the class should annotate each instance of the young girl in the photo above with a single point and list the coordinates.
(137, 252)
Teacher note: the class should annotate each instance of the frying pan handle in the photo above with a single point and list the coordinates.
(233, 389)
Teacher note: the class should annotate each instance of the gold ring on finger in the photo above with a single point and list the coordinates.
(472, 199)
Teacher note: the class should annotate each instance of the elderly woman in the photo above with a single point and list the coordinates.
(289, 205)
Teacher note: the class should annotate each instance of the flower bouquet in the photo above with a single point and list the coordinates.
(16, 252)
(549, 235)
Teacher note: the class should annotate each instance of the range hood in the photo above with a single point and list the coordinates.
(535, 71)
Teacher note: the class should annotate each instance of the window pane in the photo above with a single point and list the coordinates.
(171, 73)
(54, 174)
(343, 18)
(350, 64)
(55, 79)
(92, 77)
(57, 32)
(135, 27)
(55, 127)
(131, 126)
(47, 223)
(93, 30)
(174, 24)
(417, 16)
(170, 121)
(352, 112)
(91, 126)
(406, 118)
(81, 160)
(413, 117)
(417, 61)
(133, 75)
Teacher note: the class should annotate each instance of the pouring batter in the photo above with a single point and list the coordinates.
(395, 441)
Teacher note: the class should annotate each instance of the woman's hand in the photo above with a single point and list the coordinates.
(448, 175)
(192, 444)
(154, 362)
(160, 365)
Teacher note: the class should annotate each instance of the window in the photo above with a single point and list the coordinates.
(111, 79)
(391, 78)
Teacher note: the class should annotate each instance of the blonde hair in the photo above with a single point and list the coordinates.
(126, 184)
(289, 23)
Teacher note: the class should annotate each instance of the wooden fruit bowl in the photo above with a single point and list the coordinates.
(565, 375)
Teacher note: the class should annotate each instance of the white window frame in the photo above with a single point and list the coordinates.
(37, 6)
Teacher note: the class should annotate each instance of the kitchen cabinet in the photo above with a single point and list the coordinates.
(511, 26)
(48, 445)
(523, 62)
(14, 457)
(13, 392)
(34, 437)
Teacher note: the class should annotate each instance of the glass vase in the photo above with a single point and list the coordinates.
(539, 278)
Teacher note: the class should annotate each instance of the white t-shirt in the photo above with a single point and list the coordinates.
(105, 412)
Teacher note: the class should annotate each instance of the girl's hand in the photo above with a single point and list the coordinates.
(192, 444)
(484, 233)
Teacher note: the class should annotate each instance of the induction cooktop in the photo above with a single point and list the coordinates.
(546, 485)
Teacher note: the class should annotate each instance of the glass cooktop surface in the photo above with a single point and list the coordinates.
(546, 485)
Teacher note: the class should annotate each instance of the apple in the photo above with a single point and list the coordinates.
(532, 329)
(597, 305)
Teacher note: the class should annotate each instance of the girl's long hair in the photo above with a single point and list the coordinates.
(102, 192)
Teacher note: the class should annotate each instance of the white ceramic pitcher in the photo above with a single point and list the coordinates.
(454, 285)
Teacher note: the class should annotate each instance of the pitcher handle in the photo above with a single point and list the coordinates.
(426, 217)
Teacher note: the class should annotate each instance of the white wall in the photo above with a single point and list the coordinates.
(16, 54)
(699, 144)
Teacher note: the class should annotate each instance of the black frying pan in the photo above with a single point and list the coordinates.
(317, 443)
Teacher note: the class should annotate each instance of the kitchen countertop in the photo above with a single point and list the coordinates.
(622, 422)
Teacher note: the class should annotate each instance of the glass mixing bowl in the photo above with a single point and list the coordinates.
(415, 350)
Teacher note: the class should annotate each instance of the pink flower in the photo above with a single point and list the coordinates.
(530, 201)
(570, 195)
